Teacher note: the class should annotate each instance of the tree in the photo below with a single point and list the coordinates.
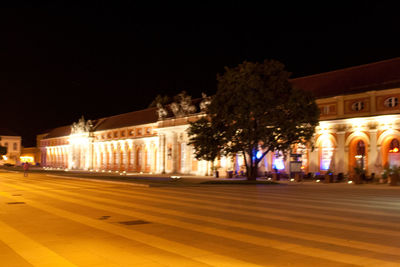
(255, 111)
(203, 138)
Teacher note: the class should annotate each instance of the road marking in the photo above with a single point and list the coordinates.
(189, 255)
(98, 180)
(263, 228)
(268, 243)
(33, 252)
(265, 212)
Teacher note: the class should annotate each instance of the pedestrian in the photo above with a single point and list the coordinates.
(26, 168)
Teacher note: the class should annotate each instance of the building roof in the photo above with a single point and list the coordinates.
(113, 122)
(59, 131)
(375, 76)
(127, 119)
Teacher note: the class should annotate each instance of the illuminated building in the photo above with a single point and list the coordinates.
(13, 143)
(359, 126)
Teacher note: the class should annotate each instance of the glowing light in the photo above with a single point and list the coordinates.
(26, 159)
(324, 127)
(318, 180)
(357, 122)
(269, 179)
(5, 157)
(350, 182)
(292, 180)
(259, 154)
(394, 150)
(278, 164)
(78, 139)
(223, 162)
(175, 177)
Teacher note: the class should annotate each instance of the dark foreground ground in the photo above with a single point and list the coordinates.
(48, 220)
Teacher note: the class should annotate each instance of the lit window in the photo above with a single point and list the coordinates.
(391, 102)
(357, 106)
(115, 134)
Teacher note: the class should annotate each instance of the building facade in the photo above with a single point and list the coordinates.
(359, 127)
(13, 144)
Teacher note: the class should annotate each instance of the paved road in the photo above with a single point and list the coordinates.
(48, 221)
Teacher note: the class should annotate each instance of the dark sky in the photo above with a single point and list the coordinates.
(58, 62)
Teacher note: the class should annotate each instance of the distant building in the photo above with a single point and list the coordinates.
(30, 155)
(13, 143)
(359, 126)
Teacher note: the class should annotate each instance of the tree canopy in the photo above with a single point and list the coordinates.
(256, 109)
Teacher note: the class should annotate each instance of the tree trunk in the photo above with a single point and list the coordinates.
(252, 175)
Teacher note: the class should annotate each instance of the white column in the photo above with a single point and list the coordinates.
(125, 155)
(161, 154)
(70, 156)
(175, 153)
(118, 158)
(373, 152)
(314, 160)
(89, 155)
(340, 159)
(110, 156)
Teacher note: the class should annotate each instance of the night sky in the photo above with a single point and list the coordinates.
(58, 62)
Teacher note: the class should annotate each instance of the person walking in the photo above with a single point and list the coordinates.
(26, 168)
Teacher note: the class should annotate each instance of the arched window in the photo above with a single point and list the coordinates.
(357, 106)
(360, 154)
(394, 146)
(394, 153)
(361, 148)
(391, 102)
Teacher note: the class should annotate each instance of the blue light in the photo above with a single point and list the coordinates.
(278, 164)
(259, 154)
(325, 163)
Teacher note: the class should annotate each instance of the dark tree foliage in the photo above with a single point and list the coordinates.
(256, 109)
(163, 100)
(3, 150)
(205, 139)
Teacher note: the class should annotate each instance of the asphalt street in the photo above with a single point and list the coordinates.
(50, 221)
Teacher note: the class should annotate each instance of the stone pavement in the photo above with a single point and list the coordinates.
(46, 221)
